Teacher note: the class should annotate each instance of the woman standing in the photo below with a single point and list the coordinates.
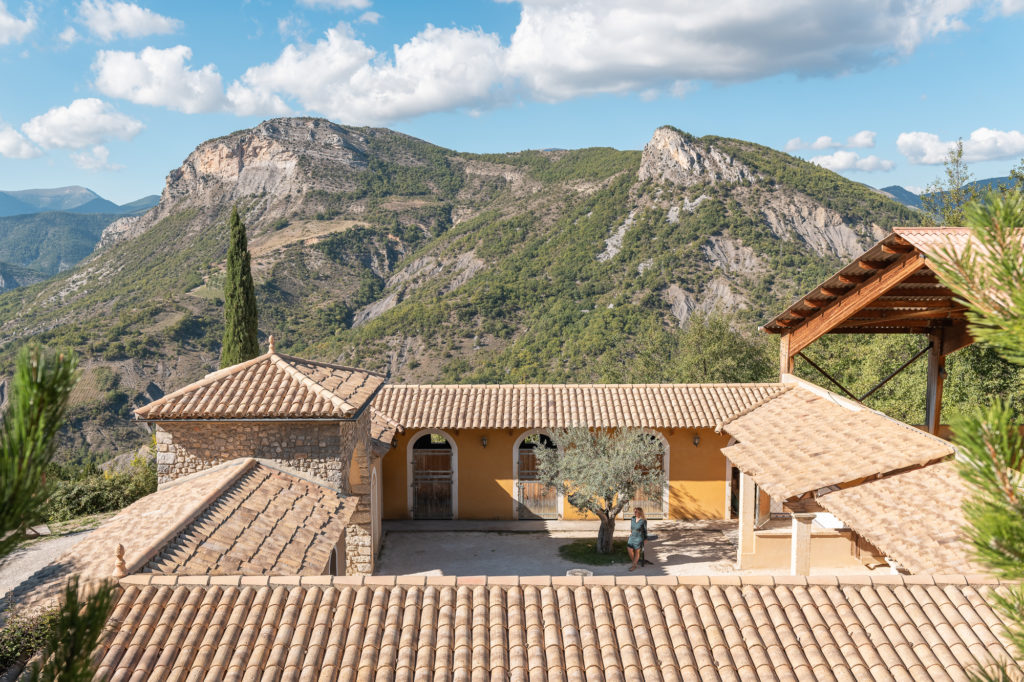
(637, 535)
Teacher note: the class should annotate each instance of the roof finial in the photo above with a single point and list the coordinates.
(271, 342)
(120, 570)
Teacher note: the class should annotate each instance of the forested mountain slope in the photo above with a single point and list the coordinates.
(377, 249)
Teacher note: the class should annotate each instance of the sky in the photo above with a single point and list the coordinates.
(113, 95)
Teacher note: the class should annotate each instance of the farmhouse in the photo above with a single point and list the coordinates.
(256, 556)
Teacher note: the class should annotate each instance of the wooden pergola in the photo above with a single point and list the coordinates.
(889, 289)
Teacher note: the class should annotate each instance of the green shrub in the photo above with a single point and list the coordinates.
(23, 635)
(101, 492)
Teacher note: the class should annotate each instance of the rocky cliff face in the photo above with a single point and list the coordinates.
(672, 156)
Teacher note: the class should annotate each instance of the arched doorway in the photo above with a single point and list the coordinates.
(433, 462)
(534, 500)
(376, 498)
(654, 507)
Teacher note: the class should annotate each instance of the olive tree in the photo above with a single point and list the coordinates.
(600, 471)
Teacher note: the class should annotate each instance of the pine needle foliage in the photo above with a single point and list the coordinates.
(241, 336)
(75, 632)
(987, 276)
(600, 471)
(39, 396)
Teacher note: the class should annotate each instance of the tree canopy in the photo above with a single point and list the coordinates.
(241, 335)
(601, 471)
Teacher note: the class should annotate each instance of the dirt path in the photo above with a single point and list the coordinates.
(25, 561)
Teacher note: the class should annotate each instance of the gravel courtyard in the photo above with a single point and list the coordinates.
(678, 548)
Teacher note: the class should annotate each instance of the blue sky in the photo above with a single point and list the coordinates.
(112, 95)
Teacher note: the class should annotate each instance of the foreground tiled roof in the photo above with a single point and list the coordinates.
(508, 406)
(268, 522)
(150, 524)
(272, 386)
(552, 629)
(808, 438)
(928, 500)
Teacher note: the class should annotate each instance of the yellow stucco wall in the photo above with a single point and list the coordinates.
(697, 475)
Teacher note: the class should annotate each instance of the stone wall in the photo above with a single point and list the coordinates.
(321, 449)
(338, 453)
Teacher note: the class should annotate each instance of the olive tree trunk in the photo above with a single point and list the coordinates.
(605, 533)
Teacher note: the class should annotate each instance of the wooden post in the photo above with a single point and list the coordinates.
(785, 358)
(933, 394)
(800, 548)
(748, 498)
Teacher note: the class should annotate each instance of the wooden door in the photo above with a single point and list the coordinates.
(432, 483)
(536, 500)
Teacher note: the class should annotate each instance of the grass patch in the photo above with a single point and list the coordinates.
(585, 552)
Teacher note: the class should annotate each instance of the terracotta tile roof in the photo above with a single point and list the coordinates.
(929, 500)
(145, 528)
(508, 406)
(272, 386)
(553, 629)
(808, 438)
(931, 240)
(269, 522)
(383, 429)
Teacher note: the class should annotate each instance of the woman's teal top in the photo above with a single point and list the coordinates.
(637, 532)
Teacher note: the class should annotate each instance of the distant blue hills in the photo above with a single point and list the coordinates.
(908, 198)
(73, 199)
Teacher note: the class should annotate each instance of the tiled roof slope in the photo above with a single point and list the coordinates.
(143, 527)
(806, 439)
(560, 628)
(928, 500)
(267, 523)
(508, 406)
(933, 240)
(272, 386)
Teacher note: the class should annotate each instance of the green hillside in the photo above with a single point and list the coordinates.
(52, 241)
(435, 265)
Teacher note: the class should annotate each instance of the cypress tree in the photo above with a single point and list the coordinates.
(241, 340)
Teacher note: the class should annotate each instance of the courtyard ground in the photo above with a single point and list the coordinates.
(531, 548)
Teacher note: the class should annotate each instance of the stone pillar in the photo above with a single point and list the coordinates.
(748, 498)
(800, 547)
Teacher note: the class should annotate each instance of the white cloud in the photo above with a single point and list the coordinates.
(563, 49)
(83, 123)
(865, 139)
(108, 20)
(13, 29)
(336, 4)
(823, 142)
(13, 145)
(369, 17)
(844, 160)
(914, 189)
(95, 159)
(343, 78)
(159, 78)
(984, 144)
(560, 50)
(68, 35)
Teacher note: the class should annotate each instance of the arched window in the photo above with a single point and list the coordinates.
(433, 476)
(332, 568)
(375, 510)
(533, 500)
(654, 507)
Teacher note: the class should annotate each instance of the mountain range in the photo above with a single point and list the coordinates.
(73, 199)
(380, 250)
(908, 198)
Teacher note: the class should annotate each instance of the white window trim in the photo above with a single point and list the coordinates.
(559, 502)
(455, 469)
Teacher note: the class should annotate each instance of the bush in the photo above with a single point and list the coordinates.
(102, 492)
(24, 635)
